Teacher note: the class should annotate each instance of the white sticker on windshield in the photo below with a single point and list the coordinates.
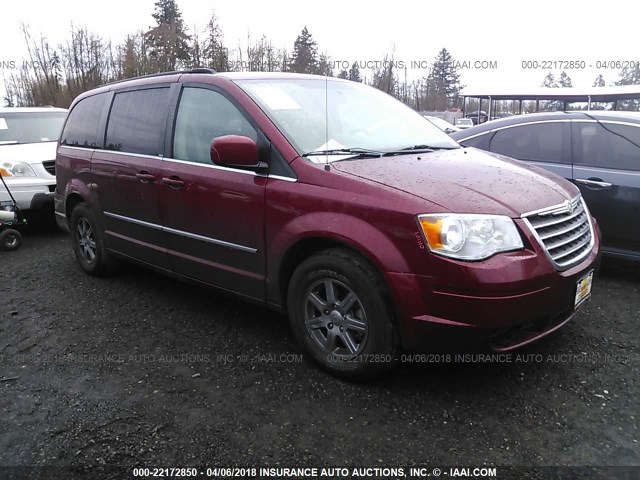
(276, 98)
(330, 145)
(3, 124)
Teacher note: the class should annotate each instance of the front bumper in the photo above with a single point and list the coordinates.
(507, 302)
(30, 193)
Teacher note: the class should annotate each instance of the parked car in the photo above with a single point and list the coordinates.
(598, 151)
(464, 123)
(477, 117)
(442, 124)
(375, 232)
(28, 138)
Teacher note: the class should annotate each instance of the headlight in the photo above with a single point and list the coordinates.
(18, 169)
(469, 237)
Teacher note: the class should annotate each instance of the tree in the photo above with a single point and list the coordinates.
(343, 74)
(196, 60)
(565, 80)
(384, 76)
(629, 76)
(444, 80)
(168, 41)
(324, 66)
(262, 56)
(354, 73)
(133, 59)
(599, 81)
(214, 53)
(549, 81)
(55, 76)
(304, 58)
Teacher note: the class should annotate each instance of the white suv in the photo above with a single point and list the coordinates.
(28, 140)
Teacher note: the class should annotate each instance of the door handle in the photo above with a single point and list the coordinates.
(145, 177)
(173, 182)
(593, 182)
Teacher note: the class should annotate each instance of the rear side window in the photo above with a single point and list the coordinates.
(81, 129)
(607, 145)
(203, 115)
(137, 121)
(541, 142)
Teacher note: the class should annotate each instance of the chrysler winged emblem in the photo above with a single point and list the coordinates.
(569, 206)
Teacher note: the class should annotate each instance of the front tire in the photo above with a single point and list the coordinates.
(340, 312)
(88, 242)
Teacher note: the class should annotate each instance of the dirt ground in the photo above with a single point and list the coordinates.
(139, 369)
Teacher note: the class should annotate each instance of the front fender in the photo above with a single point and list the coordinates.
(337, 228)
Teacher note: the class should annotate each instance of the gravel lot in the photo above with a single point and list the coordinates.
(139, 369)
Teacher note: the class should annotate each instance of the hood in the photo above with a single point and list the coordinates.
(466, 180)
(29, 152)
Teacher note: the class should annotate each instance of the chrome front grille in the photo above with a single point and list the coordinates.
(564, 231)
(50, 166)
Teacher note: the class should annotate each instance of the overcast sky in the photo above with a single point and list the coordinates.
(506, 32)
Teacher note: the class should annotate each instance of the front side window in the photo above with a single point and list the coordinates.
(541, 142)
(137, 121)
(203, 115)
(607, 145)
(319, 114)
(30, 127)
(81, 129)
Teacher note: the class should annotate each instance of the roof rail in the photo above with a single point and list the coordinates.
(162, 74)
(200, 70)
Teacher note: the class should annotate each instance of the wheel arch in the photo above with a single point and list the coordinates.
(73, 199)
(351, 234)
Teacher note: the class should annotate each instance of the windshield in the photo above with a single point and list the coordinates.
(30, 127)
(319, 114)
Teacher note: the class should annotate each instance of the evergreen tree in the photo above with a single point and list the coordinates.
(214, 53)
(629, 76)
(343, 74)
(304, 58)
(565, 80)
(130, 64)
(444, 80)
(168, 41)
(354, 73)
(196, 59)
(384, 76)
(599, 81)
(324, 66)
(549, 81)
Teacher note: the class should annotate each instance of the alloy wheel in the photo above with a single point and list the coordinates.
(335, 317)
(86, 241)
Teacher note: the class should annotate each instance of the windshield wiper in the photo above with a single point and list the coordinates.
(359, 152)
(417, 148)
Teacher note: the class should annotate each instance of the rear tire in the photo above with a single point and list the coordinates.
(88, 243)
(10, 239)
(340, 312)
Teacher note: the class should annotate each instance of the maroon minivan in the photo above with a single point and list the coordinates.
(329, 200)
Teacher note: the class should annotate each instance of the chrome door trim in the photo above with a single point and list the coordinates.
(182, 233)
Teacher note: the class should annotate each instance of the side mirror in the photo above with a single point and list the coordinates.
(236, 151)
